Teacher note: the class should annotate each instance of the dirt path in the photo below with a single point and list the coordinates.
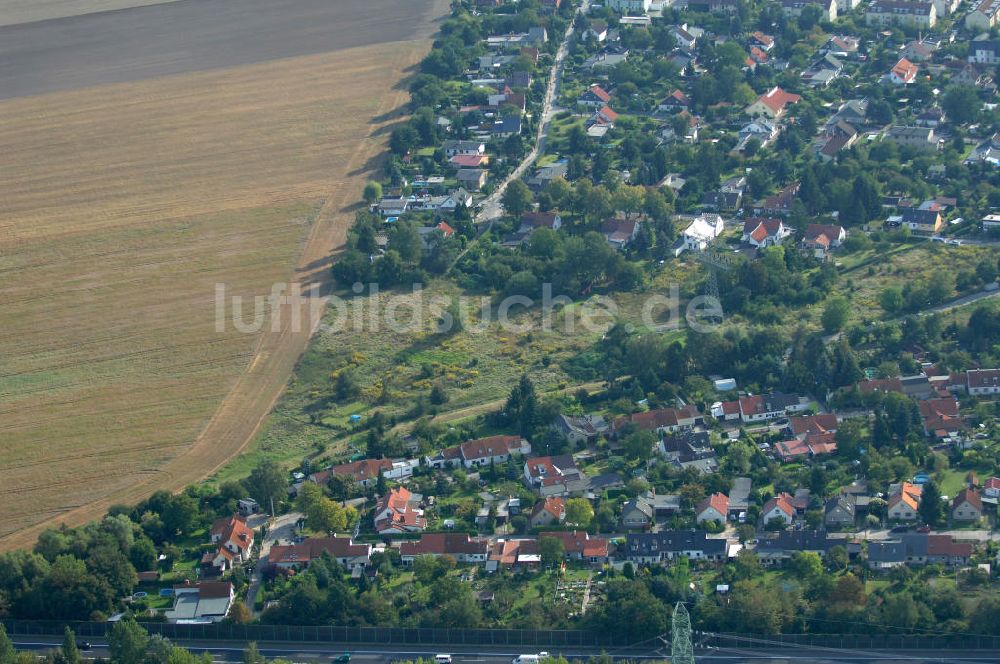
(239, 417)
(496, 404)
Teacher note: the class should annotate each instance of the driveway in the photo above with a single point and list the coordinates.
(282, 530)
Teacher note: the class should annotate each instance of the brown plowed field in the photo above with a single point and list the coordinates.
(121, 208)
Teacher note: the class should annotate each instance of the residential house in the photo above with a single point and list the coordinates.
(762, 130)
(983, 16)
(620, 232)
(984, 52)
(821, 239)
(630, 7)
(675, 102)
(988, 152)
(713, 508)
(795, 7)
(234, 535)
(739, 495)
(983, 381)
(762, 41)
(904, 501)
(699, 234)
(393, 206)
(397, 512)
(521, 553)
(579, 430)
(638, 513)
(205, 602)
(714, 6)
(579, 545)
(596, 30)
(460, 546)
(473, 179)
(922, 138)
(769, 406)
(594, 97)
(726, 411)
(940, 417)
(660, 421)
(468, 161)
(548, 173)
(908, 13)
(967, 506)
(668, 545)
(780, 203)
(854, 112)
(772, 104)
(364, 472)
(554, 476)
(342, 549)
(823, 71)
(492, 450)
(763, 232)
(840, 512)
(781, 546)
(922, 221)
(549, 511)
(844, 45)
(778, 508)
(991, 487)
(452, 148)
(683, 38)
(903, 72)
(803, 425)
(919, 50)
(689, 449)
(532, 220)
(506, 127)
(605, 60)
(932, 117)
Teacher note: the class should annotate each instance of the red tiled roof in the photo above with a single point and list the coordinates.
(443, 544)
(970, 496)
(539, 219)
(813, 423)
(761, 38)
(315, 547)
(776, 99)
(233, 529)
(662, 417)
(719, 501)
(608, 114)
(881, 385)
(992, 483)
(580, 542)
(944, 545)
(489, 447)
(905, 70)
(553, 505)
(782, 501)
(599, 92)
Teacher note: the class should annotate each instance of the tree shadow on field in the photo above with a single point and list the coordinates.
(370, 166)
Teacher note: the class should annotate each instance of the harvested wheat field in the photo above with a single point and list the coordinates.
(121, 208)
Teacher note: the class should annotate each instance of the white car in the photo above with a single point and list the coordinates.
(442, 659)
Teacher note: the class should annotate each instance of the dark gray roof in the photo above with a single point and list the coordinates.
(886, 552)
(673, 541)
(796, 540)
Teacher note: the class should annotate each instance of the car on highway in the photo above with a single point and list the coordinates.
(529, 659)
(343, 659)
(84, 645)
(442, 659)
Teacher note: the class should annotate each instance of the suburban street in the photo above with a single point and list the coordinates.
(491, 207)
(281, 530)
(231, 653)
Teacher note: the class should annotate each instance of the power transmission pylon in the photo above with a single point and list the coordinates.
(713, 262)
(681, 647)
